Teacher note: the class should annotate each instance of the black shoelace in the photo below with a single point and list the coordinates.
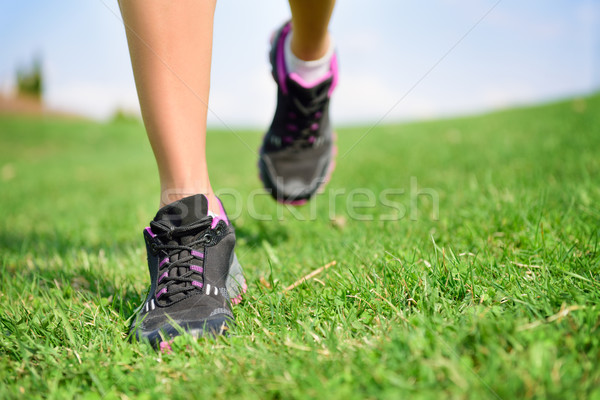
(303, 122)
(180, 282)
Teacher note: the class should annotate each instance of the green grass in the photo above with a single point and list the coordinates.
(480, 280)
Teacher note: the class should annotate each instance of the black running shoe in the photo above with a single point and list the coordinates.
(296, 157)
(194, 273)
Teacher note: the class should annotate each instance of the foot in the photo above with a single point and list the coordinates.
(296, 157)
(194, 273)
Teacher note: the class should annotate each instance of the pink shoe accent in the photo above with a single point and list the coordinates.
(306, 85)
(238, 299)
(150, 232)
(221, 217)
(197, 268)
(334, 71)
(163, 276)
(280, 61)
(223, 214)
(165, 347)
(198, 254)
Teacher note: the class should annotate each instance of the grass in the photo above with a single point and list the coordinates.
(467, 264)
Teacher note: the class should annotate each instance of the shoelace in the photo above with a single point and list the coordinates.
(303, 122)
(180, 283)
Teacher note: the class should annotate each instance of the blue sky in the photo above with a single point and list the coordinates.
(398, 59)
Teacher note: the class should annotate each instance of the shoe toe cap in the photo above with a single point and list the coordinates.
(200, 320)
(291, 179)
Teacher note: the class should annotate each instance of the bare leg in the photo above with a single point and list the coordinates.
(170, 43)
(310, 19)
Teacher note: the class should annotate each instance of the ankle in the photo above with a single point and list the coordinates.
(171, 195)
(312, 50)
(310, 71)
(214, 204)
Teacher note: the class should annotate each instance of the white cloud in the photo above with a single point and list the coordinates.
(366, 97)
(507, 94)
(249, 100)
(364, 41)
(92, 99)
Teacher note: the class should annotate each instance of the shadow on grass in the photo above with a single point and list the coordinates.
(269, 231)
(56, 261)
(82, 268)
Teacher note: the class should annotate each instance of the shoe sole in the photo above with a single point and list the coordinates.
(236, 283)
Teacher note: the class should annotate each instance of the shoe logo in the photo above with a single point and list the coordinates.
(207, 291)
(276, 141)
(150, 305)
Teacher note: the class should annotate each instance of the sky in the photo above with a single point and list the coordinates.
(399, 59)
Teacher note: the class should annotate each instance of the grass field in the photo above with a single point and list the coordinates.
(468, 264)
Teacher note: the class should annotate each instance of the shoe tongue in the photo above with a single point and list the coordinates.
(308, 94)
(184, 212)
(181, 213)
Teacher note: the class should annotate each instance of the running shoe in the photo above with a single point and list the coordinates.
(194, 273)
(296, 157)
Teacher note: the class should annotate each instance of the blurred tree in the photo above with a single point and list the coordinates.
(30, 80)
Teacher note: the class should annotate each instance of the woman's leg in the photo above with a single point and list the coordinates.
(170, 43)
(194, 273)
(310, 19)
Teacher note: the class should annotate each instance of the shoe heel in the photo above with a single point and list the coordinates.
(236, 283)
